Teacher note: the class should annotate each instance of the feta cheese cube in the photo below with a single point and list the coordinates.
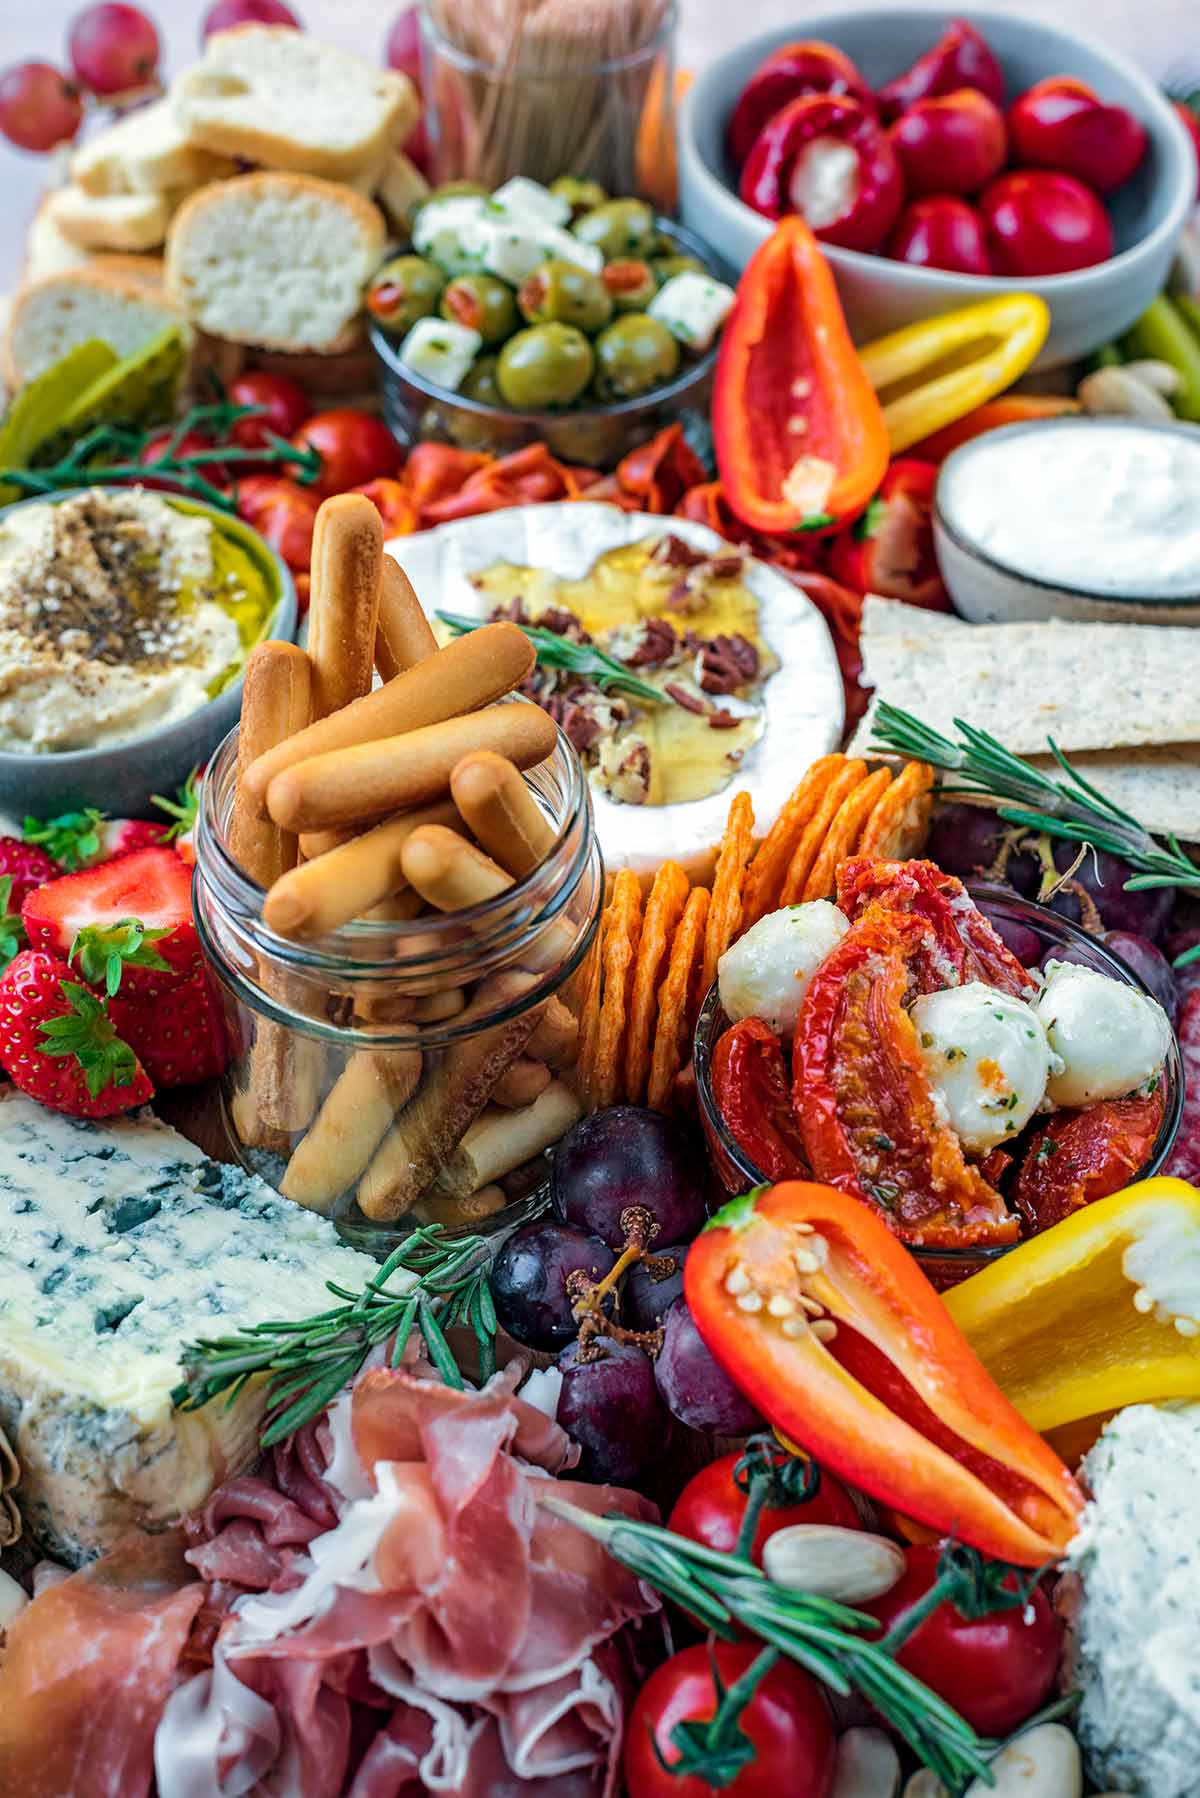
(693, 307)
(450, 233)
(440, 351)
(566, 247)
(526, 199)
(513, 248)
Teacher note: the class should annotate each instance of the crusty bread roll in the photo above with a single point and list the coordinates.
(274, 259)
(120, 299)
(280, 98)
(147, 151)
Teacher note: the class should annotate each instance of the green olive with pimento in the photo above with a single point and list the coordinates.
(405, 289)
(563, 293)
(483, 304)
(635, 354)
(544, 367)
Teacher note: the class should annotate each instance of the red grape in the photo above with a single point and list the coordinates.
(1149, 964)
(223, 15)
(114, 48)
(646, 1301)
(694, 1388)
(529, 1280)
(610, 1407)
(966, 839)
(38, 107)
(1103, 876)
(627, 1156)
(403, 47)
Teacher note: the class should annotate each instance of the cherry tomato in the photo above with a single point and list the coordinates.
(187, 445)
(354, 447)
(996, 1670)
(285, 403)
(711, 1507)
(786, 1720)
(284, 513)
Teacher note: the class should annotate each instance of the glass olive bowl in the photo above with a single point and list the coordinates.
(944, 1266)
(418, 411)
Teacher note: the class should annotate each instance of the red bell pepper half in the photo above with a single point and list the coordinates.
(829, 159)
(829, 1327)
(806, 67)
(799, 434)
(890, 549)
(749, 1084)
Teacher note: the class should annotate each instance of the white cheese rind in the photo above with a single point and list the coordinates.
(120, 1244)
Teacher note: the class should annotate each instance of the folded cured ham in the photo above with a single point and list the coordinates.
(384, 1609)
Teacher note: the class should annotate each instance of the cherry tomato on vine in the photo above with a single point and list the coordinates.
(712, 1505)
(995, 1670)
(786, 1720)
(285, 403)
(354, 447)
(214, 472)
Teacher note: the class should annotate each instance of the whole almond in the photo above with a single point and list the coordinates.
(848, 1565)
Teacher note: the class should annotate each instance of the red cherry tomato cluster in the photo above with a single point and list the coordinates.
(929, 169)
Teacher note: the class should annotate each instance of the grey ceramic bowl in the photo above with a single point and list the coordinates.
(1087, 308)
(988, 590)
(120, 779)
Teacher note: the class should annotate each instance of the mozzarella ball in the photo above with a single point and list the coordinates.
(1109, 1037)
(767, 973)
(987, 1059)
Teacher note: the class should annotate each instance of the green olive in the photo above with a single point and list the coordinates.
(635, 354)
(483, 304)
(631, 284)
(620, 228)
(665, 267)
(581, 196)
(563, 293)
(405, 289)
(543, 366)
(480, 383)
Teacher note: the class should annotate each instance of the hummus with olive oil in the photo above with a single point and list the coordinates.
(119, 613)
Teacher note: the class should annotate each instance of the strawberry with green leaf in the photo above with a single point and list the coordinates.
(133, 914)
(59, 1045)
(27, 866)
(87, 838)
(179, 1041)
(12, 931)
(183, 811)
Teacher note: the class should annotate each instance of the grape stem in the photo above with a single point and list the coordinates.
(588, 1296)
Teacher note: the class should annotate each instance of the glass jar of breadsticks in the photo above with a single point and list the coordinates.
(398, 898)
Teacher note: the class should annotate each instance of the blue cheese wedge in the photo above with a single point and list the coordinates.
(693, 307)
(119, 1245)
(440, 351)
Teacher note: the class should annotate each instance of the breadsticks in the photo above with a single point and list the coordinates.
(448, 871)
(472, 671)
(402, 635)
(501, 813)
(346, 555)
(364, 782)
(499, 1141)
(349, 881)
(276, 702)
(356, 1115)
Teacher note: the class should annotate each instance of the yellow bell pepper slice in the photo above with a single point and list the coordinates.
(931, 373)
(1101, 1311)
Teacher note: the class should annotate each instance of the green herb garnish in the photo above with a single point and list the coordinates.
(310, 1359)
(816, 521)
(583, 659)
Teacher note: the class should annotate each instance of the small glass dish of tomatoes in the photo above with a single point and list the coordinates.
(1037, 936)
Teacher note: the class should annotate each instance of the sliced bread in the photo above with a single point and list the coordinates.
(277, 97)
(120, 299)
(273, 259)
(400, 187)
(47, 251)
(146, 152)
(110, 221)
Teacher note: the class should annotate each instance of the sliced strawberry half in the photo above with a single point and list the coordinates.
(59, 1045)
(133, 914)
(180, 1040)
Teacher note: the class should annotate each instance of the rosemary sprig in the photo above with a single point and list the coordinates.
(439, 1281)
(820, 1635)
(110, 455)
(583, 659)
(1069, 807)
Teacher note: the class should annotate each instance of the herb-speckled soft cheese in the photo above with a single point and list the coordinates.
(1138, 1624)
(119, 1244)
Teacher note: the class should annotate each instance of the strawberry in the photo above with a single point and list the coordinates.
(183, 809)
(27, 866)
(179, 1041)
(12, 931)
(136, 911)
(85, 839)
(58, 1043)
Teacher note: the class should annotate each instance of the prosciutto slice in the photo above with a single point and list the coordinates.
(87, 1670)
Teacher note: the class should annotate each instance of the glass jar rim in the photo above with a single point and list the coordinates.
(609, 66)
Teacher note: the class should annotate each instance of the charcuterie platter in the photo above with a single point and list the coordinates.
(600, 914)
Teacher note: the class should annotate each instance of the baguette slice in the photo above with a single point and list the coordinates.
(273, 259)
(400, 187)
(120, 299)
(47, 251)
(277, 97)
(147, 151)
(110, 221)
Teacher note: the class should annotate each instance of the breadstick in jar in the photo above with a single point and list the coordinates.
(364, 782)
(455, 1213)
(349, 880)
(402, 636)
(522, 1083)
(499, 1141)
(276, 702)
(448, 871)
(556, 1037)
(357, 1113)
(501, 813)
(471, 672)
(347, 554)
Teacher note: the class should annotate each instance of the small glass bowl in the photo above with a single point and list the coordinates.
(1009, 913)
(417, 411)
